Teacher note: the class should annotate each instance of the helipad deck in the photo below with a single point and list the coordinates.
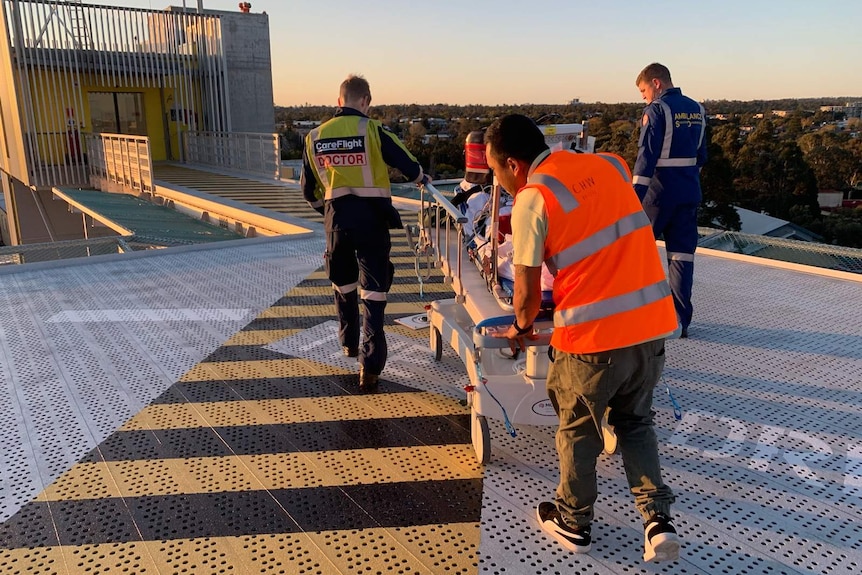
(189, 411)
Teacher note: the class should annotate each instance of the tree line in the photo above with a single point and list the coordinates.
(757, 160)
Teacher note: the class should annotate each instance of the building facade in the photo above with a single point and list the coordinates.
(71, 69)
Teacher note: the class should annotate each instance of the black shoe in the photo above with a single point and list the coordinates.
(661, 543)
(684, 333)
(349, 351)
(573, 538)
(368, 381)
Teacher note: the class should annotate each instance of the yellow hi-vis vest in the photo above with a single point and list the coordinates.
(346, 155)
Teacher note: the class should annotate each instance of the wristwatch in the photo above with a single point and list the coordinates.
(521, 330)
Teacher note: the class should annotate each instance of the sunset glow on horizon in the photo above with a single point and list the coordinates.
(484, 52)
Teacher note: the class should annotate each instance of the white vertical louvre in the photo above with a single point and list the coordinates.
(64, 50)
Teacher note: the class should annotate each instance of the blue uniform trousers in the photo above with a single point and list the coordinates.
(361, 257)
(677, 223)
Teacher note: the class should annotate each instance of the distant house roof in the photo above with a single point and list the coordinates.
(765, 225)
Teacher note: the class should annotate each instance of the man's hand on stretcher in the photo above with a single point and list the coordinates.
(526, 300)
(516, 341)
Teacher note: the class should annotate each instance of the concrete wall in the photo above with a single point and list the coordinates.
(249, 69)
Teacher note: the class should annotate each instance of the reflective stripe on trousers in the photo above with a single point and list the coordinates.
(361, 257)
(345, 289)
(372, 295)
(680, 256)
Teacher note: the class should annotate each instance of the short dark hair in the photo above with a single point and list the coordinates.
(652, 72)
(354, 88)
(515, 136)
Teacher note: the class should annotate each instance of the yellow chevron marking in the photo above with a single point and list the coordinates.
(154, 477)
(260, 337)
(283, 411)
(421, 550)
(259, 369)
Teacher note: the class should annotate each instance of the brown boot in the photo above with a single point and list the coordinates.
(367, 381)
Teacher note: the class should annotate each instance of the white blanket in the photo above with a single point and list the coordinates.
(505, 265)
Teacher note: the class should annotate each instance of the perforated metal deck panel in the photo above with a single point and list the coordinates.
(241, 465)
(261, 461)
(87, 346)
(766, 462)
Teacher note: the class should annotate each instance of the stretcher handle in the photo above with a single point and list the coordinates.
(444, 202)
(487, 341)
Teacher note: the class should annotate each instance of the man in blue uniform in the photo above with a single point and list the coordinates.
(672, 151)
(345, 177)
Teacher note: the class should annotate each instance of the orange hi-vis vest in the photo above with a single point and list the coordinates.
(610, 289)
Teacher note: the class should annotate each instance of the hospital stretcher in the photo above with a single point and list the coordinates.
(501, 386)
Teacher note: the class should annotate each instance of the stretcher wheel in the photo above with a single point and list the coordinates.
(481, 437)
(436, 343)
(609, 436)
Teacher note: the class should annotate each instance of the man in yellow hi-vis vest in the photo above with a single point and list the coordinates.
(345, 177)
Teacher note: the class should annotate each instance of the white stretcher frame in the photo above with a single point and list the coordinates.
(500, 387)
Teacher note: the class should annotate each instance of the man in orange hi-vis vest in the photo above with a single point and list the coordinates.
(578, 214)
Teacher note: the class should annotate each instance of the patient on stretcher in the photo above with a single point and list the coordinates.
(473, 198)
(475, 203)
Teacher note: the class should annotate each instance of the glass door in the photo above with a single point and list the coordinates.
(117, 113)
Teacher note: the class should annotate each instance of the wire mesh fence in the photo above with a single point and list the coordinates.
(782, 249)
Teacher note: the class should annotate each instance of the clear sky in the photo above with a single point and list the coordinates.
(517, 52)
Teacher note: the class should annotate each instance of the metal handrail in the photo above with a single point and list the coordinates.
(122, 159)
(249, 152)
(444, 249)
(444, 203)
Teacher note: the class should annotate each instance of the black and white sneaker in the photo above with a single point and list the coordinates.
(661, 543)
(576, 539)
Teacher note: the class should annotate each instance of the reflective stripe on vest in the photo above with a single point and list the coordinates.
(562, 193)
(361, 192)
(367, 174)
(564, 196)
(598, 241)
(664, 160)
(610, 289)
(642, 180)
(621, 168)
(668, 130)
(611, 306)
